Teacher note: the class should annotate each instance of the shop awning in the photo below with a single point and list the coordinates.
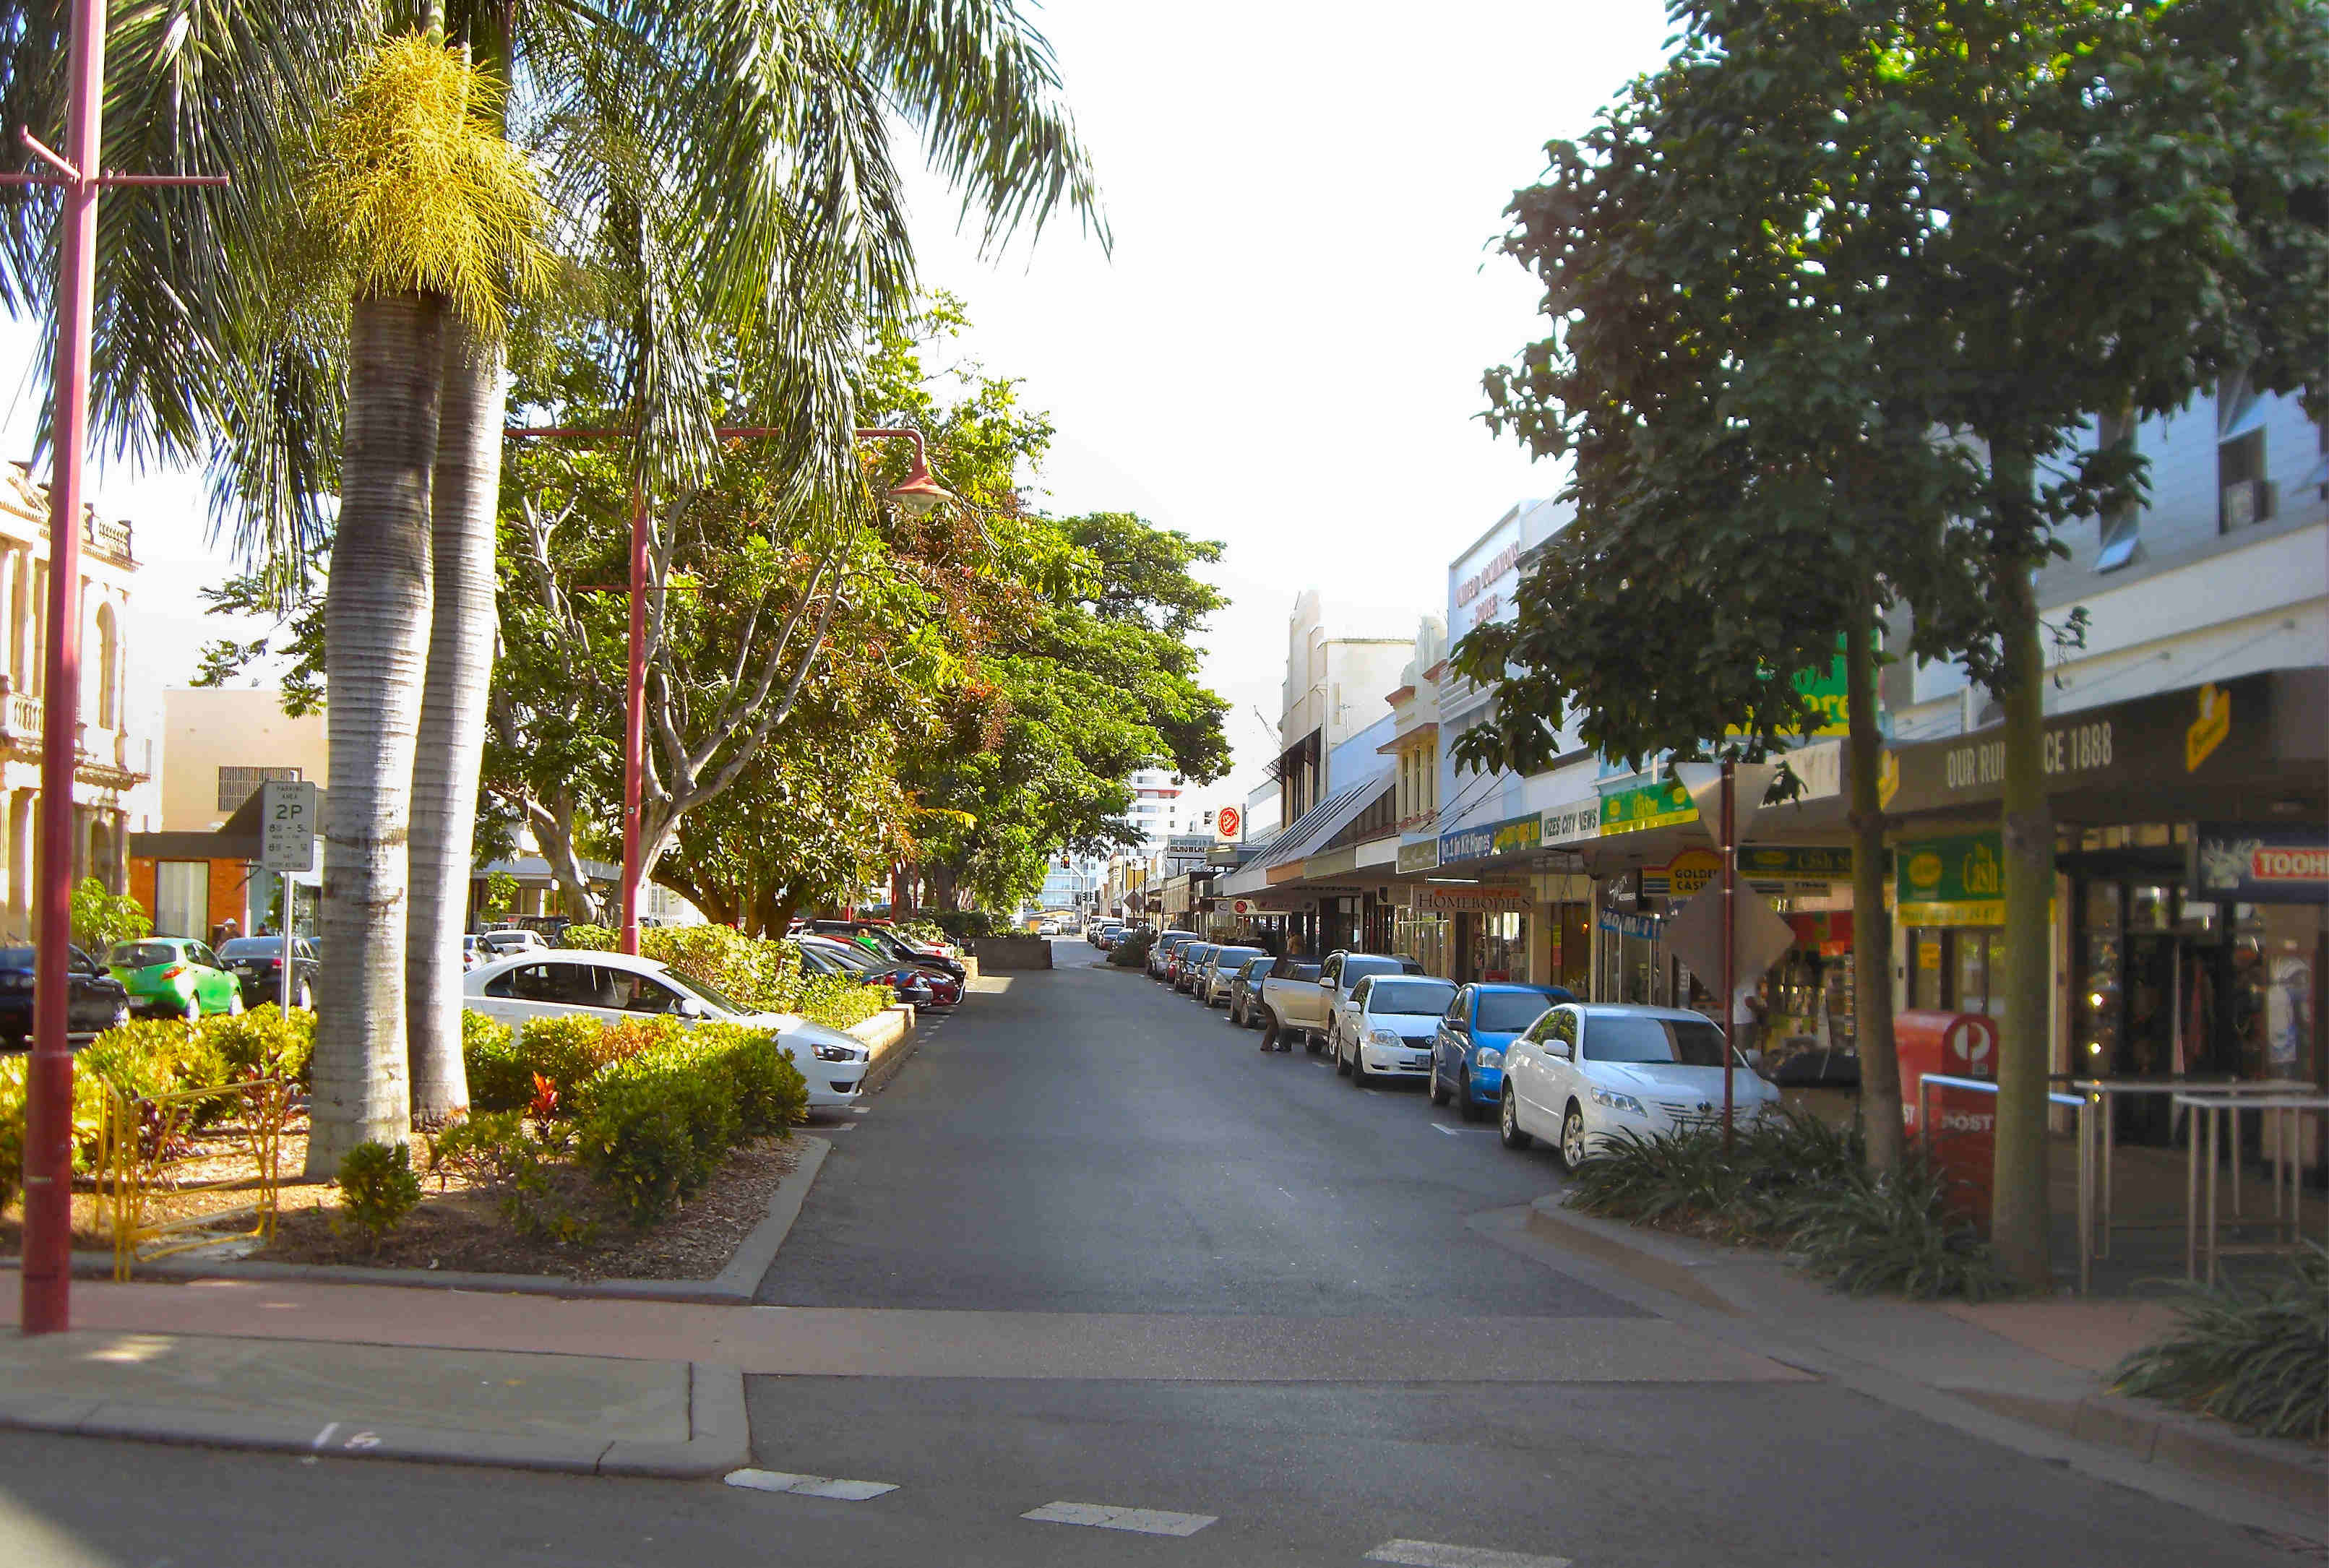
(1316, 825)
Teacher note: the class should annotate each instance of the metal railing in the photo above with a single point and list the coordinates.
(143, 1147)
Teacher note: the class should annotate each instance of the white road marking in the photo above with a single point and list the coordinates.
(326, 1435)
(1145, 1521)
(1439, 1554)
(1460, 1131)
(809, 1486)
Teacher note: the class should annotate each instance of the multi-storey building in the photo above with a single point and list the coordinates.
(114, 761)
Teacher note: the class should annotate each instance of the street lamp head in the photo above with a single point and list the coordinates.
(920, 495)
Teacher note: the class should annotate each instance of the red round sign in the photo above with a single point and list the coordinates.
(1229, 819)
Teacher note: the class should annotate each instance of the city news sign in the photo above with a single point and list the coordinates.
(289, 824)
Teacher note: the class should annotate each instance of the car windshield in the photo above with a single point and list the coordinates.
(1256, 968)
(1635, 1037)
(254, 948)
(142, 955)
(855, 957)
(1231, 958)
(1510, 1011)
(1357, 969)
(1410, 996)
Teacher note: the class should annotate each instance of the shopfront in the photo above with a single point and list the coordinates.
(1423, 934)
(1480, 887)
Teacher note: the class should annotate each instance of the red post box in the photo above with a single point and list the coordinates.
(1950, 1045)
(1962, 1141)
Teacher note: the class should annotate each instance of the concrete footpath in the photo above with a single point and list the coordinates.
(2035, 1369)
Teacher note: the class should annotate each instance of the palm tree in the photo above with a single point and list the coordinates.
(723, 175)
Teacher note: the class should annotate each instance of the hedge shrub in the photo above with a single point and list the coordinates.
(753, 972)
(655, 1125)
(88, 1109)
(264, 1040)
(837, 1001)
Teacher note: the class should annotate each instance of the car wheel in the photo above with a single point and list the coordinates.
(1268, 1028)
(1572, 1137)
(234, 1004)
(1508, 1122)
(1465, 1106)
(1439, 1095)
(304, 998)
(193, 1013)
(1341, 1063)
(1313, 1043)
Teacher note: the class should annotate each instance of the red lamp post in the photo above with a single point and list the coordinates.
(47, 1278)
(919, 494)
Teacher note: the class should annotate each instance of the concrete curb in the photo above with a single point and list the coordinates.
(731, 1286)
(758, 1249)
(890, 1057)
(719, 1438)
(2158, 1434)
(2289, 1474)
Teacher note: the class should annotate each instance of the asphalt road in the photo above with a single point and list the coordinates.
(1085, 1143)
(1088, 1141)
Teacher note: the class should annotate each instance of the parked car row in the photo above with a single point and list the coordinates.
(1545, 1065)
(1104, 934)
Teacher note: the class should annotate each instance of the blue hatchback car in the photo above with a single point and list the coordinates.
(1468, 1053)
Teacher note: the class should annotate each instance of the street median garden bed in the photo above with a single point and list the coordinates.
(640, 1149)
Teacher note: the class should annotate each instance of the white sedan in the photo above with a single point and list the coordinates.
(1386, 1027)
(544, 982)
(1585, 1071)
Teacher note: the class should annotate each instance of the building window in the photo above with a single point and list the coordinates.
(181, 898)
(237, 784)
(109, 669)
(2244, 495)
(2121, 527)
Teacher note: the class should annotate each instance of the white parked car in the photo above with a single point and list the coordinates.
(1221, 970)
(1384, 1028)
(546, 982)
(1585, 1071)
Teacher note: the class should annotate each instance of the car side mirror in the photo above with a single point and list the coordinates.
(689, 1007)
(1563, 1049)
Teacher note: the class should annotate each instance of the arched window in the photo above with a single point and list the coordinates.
(108, 668)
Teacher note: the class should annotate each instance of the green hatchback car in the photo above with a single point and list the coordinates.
(173, 977)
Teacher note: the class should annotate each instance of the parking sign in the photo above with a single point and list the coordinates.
(288, 813)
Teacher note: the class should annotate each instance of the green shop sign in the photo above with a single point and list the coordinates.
(1794, 863)
(1958, 881)
(1644, 807)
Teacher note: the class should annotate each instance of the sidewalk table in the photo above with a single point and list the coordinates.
(2105, 1127)
(2214, 1109)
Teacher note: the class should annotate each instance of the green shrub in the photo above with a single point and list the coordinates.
(498, 1152)
(2255, 1356)
(590, 938)
(563, 1047)
(264, 1040)
(837, 1001)
(958, 923)
(1132, 950)
(498, 1077)
(1896, 1232)
(655, 1126)
(377, 1189)
(769, 1092)
(87, 1115)
(100, 919)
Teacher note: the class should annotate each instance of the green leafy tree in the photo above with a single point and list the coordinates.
(100, 919)
(2020, 214)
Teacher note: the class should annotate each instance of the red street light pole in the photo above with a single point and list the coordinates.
(47, 1278)
(919, 494)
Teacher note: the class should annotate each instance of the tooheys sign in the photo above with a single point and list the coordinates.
(2259, 862)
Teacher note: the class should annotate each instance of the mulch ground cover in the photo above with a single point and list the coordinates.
(458, 1226)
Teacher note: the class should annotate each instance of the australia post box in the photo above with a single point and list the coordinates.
(1950, 1044)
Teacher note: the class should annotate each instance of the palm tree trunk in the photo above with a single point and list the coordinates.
(375, 650)
(465, 500)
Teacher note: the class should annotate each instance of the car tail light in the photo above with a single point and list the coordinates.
(174, 971)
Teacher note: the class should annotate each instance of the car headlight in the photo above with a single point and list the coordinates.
(837, 1054)
(1490, 1057)
(1617, 1102)
(1383, 1038)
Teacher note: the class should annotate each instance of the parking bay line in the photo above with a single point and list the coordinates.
(809, 1486)
(1439, 1554)
(1143, 1521)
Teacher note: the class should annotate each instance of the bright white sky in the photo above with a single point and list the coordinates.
(1285, 351)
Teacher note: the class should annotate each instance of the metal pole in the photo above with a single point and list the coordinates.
(1730, 942)
(283, 997)
(634, 724)
(47, 1280)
